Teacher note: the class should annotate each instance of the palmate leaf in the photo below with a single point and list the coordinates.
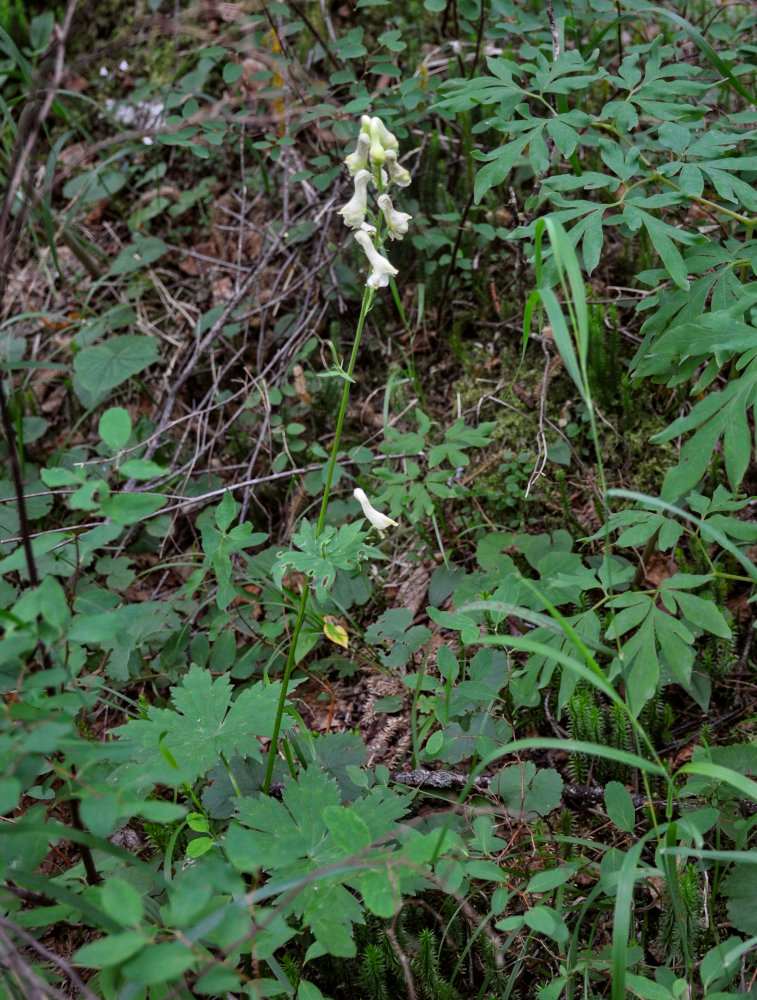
(661, 638)
(716, 288)
(179, 744)
(322, 555)
(719, 414)
(720, 335)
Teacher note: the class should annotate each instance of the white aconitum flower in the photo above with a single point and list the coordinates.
(359, 159)
(354, 211)
(396, 221)
(382, 269)
(398, 174)
(378, 520)
(368, 228)
(387, 139)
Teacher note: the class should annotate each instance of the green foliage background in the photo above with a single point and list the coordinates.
(555, 399)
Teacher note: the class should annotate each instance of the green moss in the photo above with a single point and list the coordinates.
(629, 459)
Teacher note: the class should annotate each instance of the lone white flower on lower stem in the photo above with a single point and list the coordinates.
(354, 211)
(378, 520)
(396, 221)
(381, 268)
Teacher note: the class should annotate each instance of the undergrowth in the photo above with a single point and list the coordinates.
(376, 600)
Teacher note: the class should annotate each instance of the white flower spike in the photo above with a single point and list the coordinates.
(382, 269)
(379, 521)
(395, 221)
(354, 211)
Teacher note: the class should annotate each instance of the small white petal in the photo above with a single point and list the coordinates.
(378, 520)
(103, 71)
(123, 65)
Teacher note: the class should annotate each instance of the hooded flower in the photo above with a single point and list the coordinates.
(396, 221)
(378, 138)
(398, 174)
(382, 269)
(387, 139)
(355, 209)
(378, 520)
(359, 159)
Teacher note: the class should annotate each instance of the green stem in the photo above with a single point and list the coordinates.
(232, 779)
(749, 229)
(300, 619)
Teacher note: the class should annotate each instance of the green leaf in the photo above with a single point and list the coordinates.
(160, 963)
(380, 893)
(129, 508)
(669, 253)
(322, 555)
(641, 665)
(199, 846)
(720, 963)
(107, 365)
(593, 241)
(232, 72)
(551, 878)
(544, 920)
(348, 829)
(111, 950)
(502, 162)
(226, 511)
(115, 427)
(142, 469)
(703, 613)
(203, 724)
(619, 805)
(740, 890)
(525, 790)
(121, 901)
(144, 251)
(447, 663)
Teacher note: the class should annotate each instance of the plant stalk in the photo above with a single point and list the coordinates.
(300, 619)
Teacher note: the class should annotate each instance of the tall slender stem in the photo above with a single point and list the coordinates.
(300, 619)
